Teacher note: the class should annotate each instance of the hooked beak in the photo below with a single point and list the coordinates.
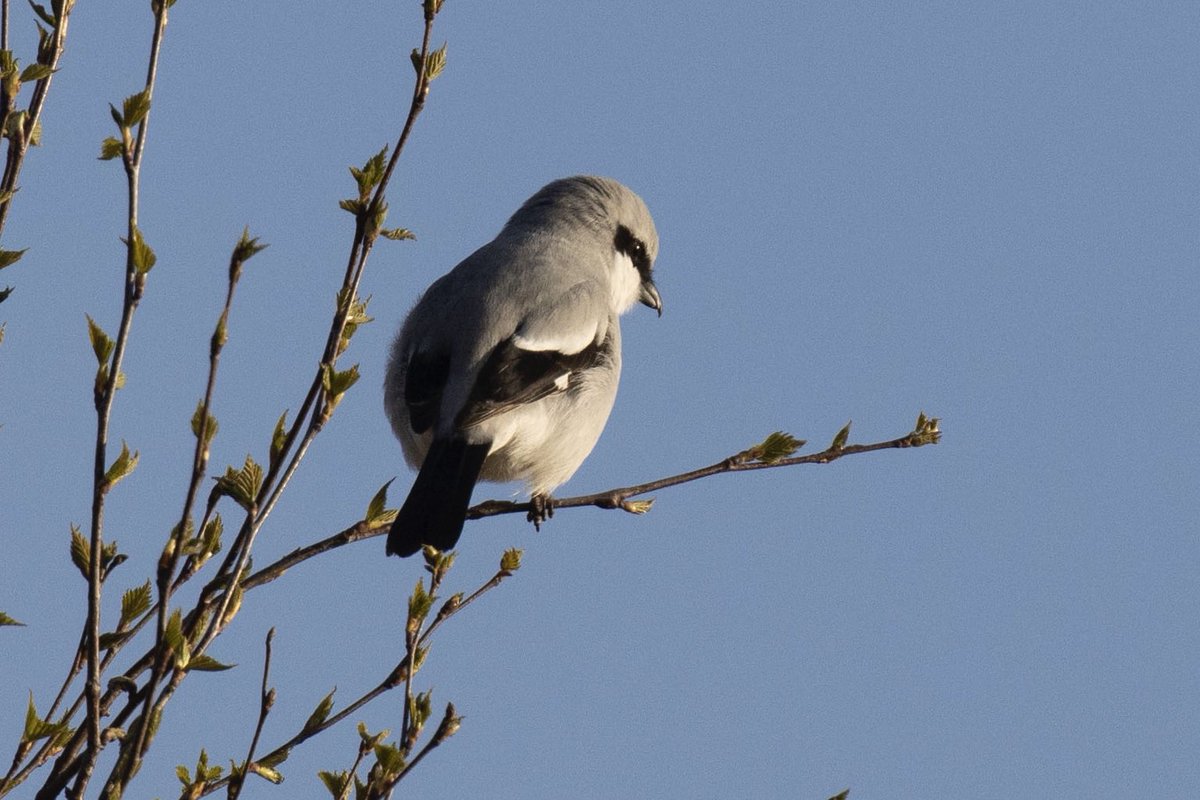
(649, 296)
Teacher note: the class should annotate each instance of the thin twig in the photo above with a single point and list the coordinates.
(311, 409)
(134, 285)
(353, 773)
(617, 498)
(612, 498)
(19, 143)
(609, 499)
(446, 728)
(267, 699)
(305, 734)
(133, 164)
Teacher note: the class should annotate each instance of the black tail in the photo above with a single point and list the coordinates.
(436, 507)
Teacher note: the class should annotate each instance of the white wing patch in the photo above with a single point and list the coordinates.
(576, 320)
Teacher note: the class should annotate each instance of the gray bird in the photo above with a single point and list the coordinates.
(507, 367)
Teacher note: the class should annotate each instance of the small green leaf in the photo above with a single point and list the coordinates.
(204, 772)
(435, 63)
(110, 559)
(335, 782)
(45, 15)
(102, 345)
(437, 563)
(356, 315)
(126, 462)
(279, 438)
(220, 333)
(355, 207)
(397, 234)
(419, 604)
(269, 773)
(371, 739)
(177, 641)
(376, 511)
(842, 795)
(210, 537)
(320, 713)
(638, 506)
(925, 432)
(14, 125)
(370, 175)
(242, 485)
(81, 551)
(35, 72)
(10, 257)
(247, 247)
(206, 663)
(111, 148)
(136, 107)
(839, 441)
(449, 726)
(235, 599)
(337, 383)
(37, 728)
(5, 619)
(776, 447)
(181, 772)
(511, 560)
(141, 254)
(390, 759)
(134, 603)
(419, 707)
(208, 421)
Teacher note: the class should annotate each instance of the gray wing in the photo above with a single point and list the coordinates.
(555, 341)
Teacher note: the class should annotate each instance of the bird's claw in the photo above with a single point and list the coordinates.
(541, 508)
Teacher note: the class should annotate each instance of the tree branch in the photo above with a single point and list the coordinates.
(926, 432)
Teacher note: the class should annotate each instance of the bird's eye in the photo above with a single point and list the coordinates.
(625, 242)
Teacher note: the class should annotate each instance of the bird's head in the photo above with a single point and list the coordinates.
(609, 216)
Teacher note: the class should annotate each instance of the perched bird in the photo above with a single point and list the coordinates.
(507, 367)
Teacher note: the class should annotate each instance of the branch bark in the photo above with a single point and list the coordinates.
(925, 433)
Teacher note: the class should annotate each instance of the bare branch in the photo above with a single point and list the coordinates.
(267, 699)
(619, 498)
(609, 499)
(49, 55)
(135, 278)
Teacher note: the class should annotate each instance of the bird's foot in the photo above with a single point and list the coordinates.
(541, 508)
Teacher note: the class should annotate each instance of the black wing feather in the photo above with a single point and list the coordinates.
(512, 377)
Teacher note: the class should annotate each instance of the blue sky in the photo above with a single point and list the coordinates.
(986, 212)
